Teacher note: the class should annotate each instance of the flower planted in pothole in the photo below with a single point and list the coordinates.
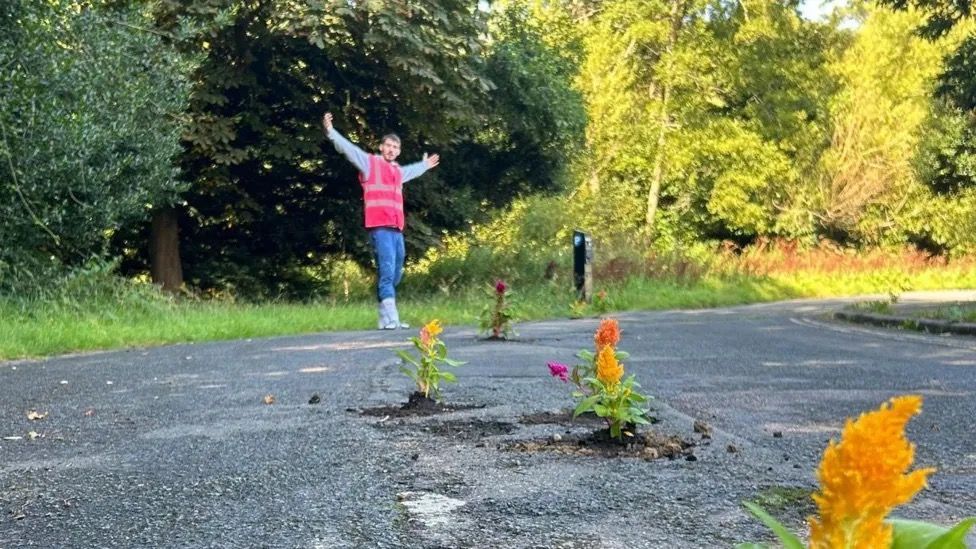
(601, 385)
(499, 315)
(425, 371)
(862, 478)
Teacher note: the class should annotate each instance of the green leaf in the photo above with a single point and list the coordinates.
(916, 534)
(586, 405)
(452, 362)
(448, 376)
(410, 373)
(407, 357)
(790, 541)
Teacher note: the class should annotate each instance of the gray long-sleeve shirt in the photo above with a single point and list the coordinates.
(360, 158)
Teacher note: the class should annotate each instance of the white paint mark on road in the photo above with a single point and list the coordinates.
(346, 346)
(430, 509)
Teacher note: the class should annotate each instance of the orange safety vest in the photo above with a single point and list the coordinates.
(383, 194)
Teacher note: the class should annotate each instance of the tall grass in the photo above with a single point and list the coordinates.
(96, 311)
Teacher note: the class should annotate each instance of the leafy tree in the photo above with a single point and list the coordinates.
(887, 76)
(948, 163)
(271, 202)
(648, 70)
(940, 15)
(766, 126)
(89, 126)
(536, 120)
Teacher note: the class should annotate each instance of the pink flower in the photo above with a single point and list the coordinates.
(500, 286)
(558, 370)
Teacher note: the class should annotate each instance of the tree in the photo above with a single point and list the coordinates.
(271, 201)
(763, 131)
(887, 75)
(940, 15)
(647, 69)
(89, 126)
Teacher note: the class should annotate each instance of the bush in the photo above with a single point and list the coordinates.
(88, 132)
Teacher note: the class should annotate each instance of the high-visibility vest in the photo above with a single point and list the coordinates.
(383, 194)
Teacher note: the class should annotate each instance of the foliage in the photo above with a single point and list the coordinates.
(940, 15)
(525, 243)
(536, 120)
(498, 316)
(90, 103)
(271, 201)
(601, 302)
(867, 172)
(431, 351)
(863, 477)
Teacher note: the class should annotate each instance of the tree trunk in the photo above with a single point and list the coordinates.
(678, 10)
(658, 174)
(164, 250)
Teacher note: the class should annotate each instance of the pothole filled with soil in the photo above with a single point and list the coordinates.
(511, 339)
(565, 417)
(646, 445)
(459, 430)
(417, 405)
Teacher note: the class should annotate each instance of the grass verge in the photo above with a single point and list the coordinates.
(48, 328)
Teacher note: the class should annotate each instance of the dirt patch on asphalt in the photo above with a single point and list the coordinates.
(417, 405)
(458, 430)
(565, 417)
(646, 445)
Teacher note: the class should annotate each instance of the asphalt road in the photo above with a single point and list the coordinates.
(175, 447)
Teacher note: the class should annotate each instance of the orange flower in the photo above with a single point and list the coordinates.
(430, 331)
(608, 369)
(864, 476)
(608, 334)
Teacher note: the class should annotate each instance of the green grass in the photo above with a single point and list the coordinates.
(953, 313)
(48, 328)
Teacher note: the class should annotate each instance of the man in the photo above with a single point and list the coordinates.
(382, 180)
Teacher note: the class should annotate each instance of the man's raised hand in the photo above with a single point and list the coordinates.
(432, 160)
(327, 122)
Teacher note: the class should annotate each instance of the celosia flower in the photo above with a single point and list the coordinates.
(607, 334)
(559, 370)
(500, 286)
(864, 476)
(430, 331)
(608, 369)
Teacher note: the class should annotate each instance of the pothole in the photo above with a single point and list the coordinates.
(646, 445)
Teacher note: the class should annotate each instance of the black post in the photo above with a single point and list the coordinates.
(583, 265)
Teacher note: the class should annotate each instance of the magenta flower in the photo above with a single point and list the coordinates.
(558, 370)
(500, 286)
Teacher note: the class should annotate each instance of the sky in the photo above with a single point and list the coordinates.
(817, 9)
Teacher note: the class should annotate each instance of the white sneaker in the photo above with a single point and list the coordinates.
(383, 319)
(388, 311)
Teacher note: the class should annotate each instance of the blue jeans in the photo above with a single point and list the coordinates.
(389, 251)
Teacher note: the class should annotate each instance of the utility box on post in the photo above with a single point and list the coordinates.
(583, 265)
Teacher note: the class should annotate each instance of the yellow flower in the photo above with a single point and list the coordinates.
(434, 328)
(864, 476)
(608, 369)
(428, 334)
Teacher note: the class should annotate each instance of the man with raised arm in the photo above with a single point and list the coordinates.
(382, 180)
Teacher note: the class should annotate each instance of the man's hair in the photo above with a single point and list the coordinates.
(392, 137)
